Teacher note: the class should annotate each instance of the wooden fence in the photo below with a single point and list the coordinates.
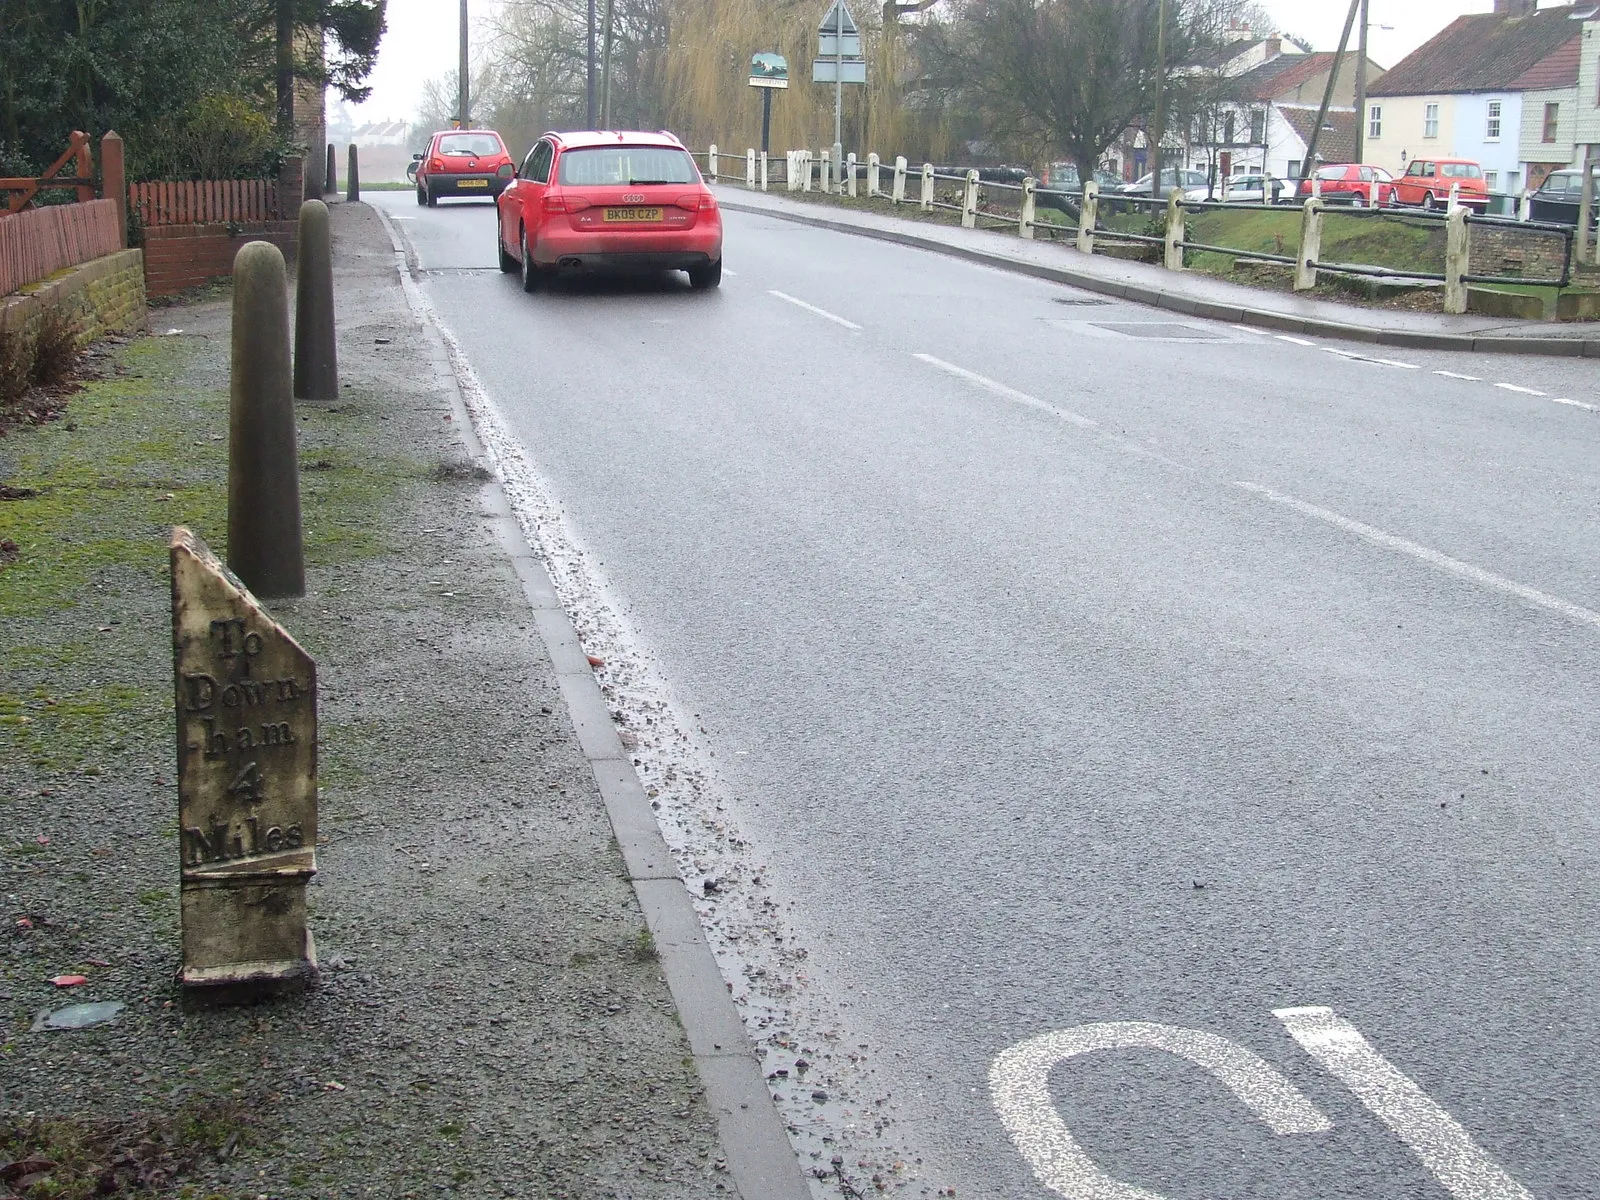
(206, 202)
(38, 242)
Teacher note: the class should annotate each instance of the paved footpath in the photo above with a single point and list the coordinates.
(495, 1016)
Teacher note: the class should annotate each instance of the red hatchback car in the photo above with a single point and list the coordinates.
(631, 201)
(1428, 181)
(1351, 183)
(462, 162)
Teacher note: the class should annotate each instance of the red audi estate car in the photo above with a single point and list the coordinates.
(628, 201)
(462, 162)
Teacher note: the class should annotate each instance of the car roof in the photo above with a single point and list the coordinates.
(448, 132)
(588, 138)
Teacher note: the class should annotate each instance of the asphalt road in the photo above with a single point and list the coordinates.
(1080, 681)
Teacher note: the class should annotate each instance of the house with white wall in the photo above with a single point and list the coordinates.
(1470, 91)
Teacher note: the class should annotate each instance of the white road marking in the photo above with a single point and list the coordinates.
(812, 308)
(1576, 404)
(1010, 393)
(1433, 1135)
(730, 274)
(1525, 391)
(1284, 337)
(1248, 329)
(1394, 362)
(1444, 562)
(1453, 375)
(1019, 1085)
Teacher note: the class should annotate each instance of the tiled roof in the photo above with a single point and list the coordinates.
(1337, 142)
(1484, 53)
(1557, 71)
(1220, 56)
(1282, 75)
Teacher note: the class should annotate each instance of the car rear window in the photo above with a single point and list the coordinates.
(471, 145)
(601, 166)
(1462, 170)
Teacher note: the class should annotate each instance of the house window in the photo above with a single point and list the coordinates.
(1552, 121)
(1375, 122)
(1294, 168)
(1430, 121)
(1491, 180)
(1258, 127)
(1491, 126)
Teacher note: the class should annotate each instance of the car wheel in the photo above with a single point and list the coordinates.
(532, 276)
(422, 198)
(433, 200)
(1430, 202)
(1357, 200)
(507, 263)
(707, 276)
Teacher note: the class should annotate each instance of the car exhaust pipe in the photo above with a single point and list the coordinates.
(570, 262)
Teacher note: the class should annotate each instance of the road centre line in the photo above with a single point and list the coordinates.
(1394, 362)
(1434, 558)
(1518, 388)
(1433, 1135)
(1247, 329)
(1284, 337)
(1466, 378)
(812, 308)
(1009, 393)
(1575, 404)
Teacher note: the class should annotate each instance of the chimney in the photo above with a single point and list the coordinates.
(1515, 9)
(1274, 47)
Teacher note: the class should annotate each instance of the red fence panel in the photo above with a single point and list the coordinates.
(37, 242)
(209, 201)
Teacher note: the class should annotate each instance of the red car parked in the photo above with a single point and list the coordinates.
(1351, 183)
(1428, 181)
(462, 162)
(633, 201)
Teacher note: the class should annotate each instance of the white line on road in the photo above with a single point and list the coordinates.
(1010, 393)
(730, 274)
(1466, 378)
(1432, 557)
(1284, 337)
(1518, 388)
(1576, 404)
(1444, 1147)
(812, 308)
(1394, 362)
(1019, 1082)
(1248, 329)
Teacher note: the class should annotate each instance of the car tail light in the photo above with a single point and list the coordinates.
(554, 204)
(707, 201)
(505, 171)
(692, 203)
(576, 203)
(436, 165)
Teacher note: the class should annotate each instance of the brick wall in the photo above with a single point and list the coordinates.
(1529, 253)
(182, 256)
(106, 295)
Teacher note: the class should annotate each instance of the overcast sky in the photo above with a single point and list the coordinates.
(421, 41)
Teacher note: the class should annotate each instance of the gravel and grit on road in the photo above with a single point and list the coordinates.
(492, 1018)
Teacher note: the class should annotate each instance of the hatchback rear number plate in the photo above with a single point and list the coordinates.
(633, 214)
(472, 183)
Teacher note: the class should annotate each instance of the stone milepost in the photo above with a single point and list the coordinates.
(247, 781)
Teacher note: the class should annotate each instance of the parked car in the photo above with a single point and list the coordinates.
(1194, 184)
(1251, 189)
(1349, 183)
(461, 162)
(1559, 197)
(1427, 181)
(1064, 177)
(628, 201)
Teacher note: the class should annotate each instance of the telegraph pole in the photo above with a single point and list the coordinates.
(463, 96)
(1160, 113)
(1361, 83)
(590, 84)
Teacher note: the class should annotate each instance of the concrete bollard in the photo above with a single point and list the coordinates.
(874, 175)
(1087, 217)
(926, 201)
(899, 185)
(330, 179)
(1173, 257)
(1455, 197)
(750, 169)
(1456, 245)
(1029, 207)
(969, 201)
(353, 191)
(827, 171)
(806, 164)
(1305, 275)
(711, 162)
(264, 548)
(316, 360)
(763, 170)
(1524, 205)
(850, 174)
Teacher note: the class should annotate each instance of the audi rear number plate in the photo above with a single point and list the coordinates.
(626, 215)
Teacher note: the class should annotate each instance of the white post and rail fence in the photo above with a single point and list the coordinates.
(1015, 204)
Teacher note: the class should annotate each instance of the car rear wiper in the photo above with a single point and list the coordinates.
(648, 182)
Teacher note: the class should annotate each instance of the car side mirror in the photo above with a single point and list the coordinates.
(416, 158)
